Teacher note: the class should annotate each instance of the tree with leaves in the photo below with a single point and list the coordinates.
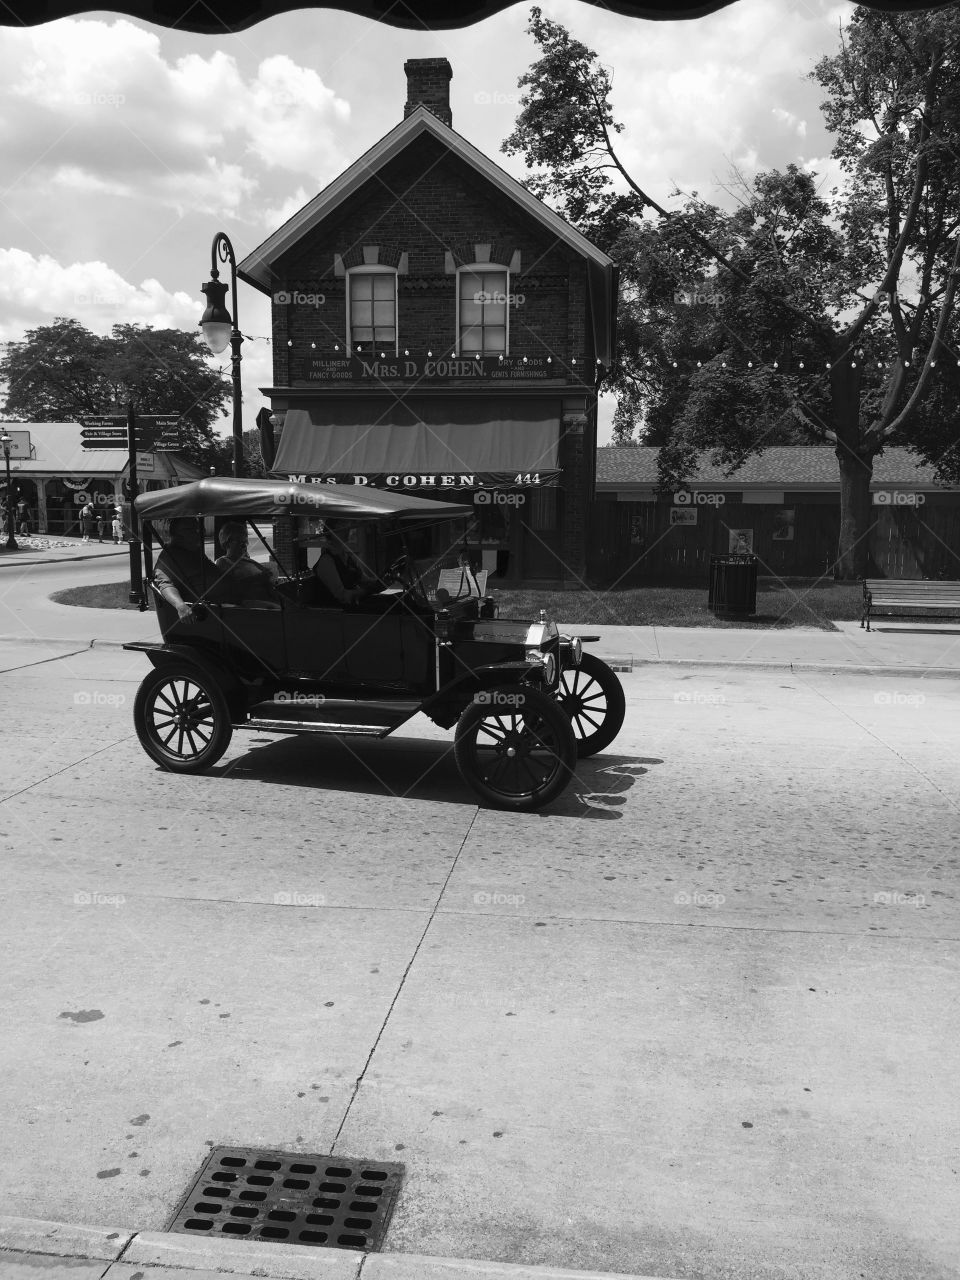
(793, 318)
(61, 372)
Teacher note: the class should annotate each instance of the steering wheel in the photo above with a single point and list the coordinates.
(399, 571)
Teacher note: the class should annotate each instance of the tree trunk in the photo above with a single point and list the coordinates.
(856, 515)
(856, 470)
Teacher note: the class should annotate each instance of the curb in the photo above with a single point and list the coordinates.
(170, 1253)
(784, 664)
(760, 664)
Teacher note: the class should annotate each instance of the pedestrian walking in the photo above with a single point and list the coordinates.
(86, 522)
(101, 524)
(23, 519)
(117, 527)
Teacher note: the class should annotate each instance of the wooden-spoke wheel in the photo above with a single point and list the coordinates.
(182, 718)
(515, 748)
(592, 697)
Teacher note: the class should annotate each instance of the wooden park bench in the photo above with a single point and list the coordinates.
(895, 596)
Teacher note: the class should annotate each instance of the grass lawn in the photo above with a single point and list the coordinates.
(106, 595)
(777, 606)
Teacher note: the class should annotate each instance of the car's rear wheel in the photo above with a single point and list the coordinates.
(592, 697)
(515, 748)
(182, 718)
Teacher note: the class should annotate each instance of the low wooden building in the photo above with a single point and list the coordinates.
(782, 504)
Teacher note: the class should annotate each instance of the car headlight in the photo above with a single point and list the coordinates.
(577, 650)
(549, 668)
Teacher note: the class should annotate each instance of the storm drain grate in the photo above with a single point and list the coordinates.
(249, 1193)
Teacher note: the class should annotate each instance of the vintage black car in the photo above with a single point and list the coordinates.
(525, 700)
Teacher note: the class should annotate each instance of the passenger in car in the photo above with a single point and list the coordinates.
(341, 577)
(184, 574)
(254, 583)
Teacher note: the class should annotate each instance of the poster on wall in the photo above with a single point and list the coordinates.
(741, 542)
(783, 524)
(683, 515)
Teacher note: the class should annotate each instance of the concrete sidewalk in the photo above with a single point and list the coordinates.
(910, 647)
(59, 551)
(914, 649)
(31, 1247)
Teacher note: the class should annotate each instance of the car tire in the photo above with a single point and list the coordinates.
(515, 747)
(204, 731)
(592, 697)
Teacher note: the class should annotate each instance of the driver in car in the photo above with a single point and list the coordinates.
(183, 573)
(339, 572)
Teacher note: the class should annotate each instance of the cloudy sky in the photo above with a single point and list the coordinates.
(124, 147)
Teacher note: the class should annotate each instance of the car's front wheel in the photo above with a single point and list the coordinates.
(182, 718)
(592, 696)
(515, 748)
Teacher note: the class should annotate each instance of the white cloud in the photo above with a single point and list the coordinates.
(99, 109)
(274, 216)
(35, 289)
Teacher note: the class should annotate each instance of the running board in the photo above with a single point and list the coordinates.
(313, 726)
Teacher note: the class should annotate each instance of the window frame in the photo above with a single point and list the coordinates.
(373, 270)
(483, 268)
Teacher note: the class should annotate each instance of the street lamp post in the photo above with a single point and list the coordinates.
(11, 542)
(220, 327)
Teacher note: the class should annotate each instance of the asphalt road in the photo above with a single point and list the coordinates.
(698, 1019)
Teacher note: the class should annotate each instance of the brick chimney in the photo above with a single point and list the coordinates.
(428, 85)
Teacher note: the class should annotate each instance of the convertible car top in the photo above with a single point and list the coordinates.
(228, 496)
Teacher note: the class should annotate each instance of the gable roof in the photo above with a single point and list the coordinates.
(256, 267)
(799, 466)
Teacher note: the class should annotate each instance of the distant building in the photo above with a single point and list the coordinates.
(437, 329)
(55, 475)
(784, 503)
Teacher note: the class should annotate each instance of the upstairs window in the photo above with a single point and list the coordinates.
(483, 310)
(372, 308)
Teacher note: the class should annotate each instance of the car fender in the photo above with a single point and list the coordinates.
(162, 654)
(445, 706)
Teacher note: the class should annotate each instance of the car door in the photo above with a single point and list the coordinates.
(315, 645)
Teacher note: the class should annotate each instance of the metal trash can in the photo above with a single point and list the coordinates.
(733, 585)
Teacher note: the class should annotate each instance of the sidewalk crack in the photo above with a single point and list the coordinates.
(400, 986)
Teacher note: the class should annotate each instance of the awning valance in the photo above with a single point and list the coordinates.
(443, 445)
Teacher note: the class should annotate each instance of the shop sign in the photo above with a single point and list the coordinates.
(450, 481)
(19, 443)
(439, 369)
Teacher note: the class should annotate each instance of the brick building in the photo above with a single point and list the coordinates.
(438, 329)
